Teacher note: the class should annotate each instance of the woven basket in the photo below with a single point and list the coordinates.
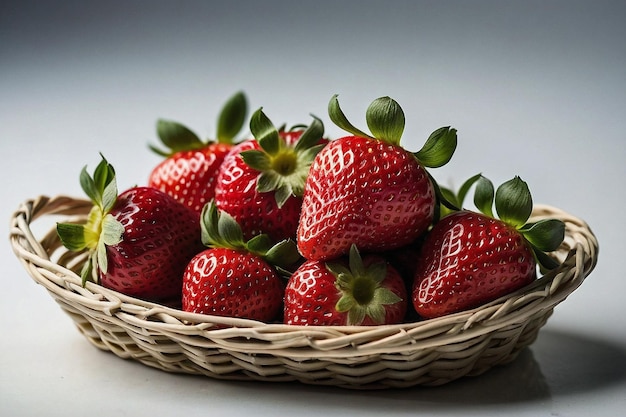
(430, 352)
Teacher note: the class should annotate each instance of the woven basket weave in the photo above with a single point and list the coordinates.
(431, 352)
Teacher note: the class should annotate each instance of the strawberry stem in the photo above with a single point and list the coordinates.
(385, 119)
(362, 292)
(101, 229)
(220, 230)
(283, 167)
(177, 137)
(514, 205)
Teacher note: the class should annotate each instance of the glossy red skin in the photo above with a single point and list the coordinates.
(227, 282)
(160, 237)
(469, 259)
(190, 176)
(311, 295)
(364, 192)
(256, 213)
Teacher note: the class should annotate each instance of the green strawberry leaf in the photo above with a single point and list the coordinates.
(176, 137)
(109, 196)
(88, 272)
(545, 235)
(306, 156)
(456, 201)
(256, 159)
(356, 262)
(545, 262)
(232, 118)
(72, 236)
(438, 149)
(448, 203)
(265, 132)
(336, 115)
(101, 258)
(103, 176)
(268, 181)
(220, 229)
(514, 203)
(449, 195)
(311, 136)
(112, 230)
(484, 195)
(386, 120)
(111, 234)
(282, 194)
(89, 186)
(465, 187)
(283, 255)
(259, 244)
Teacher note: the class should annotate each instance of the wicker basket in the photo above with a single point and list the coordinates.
(430, 352)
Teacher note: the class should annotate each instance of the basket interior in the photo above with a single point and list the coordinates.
(429, 352)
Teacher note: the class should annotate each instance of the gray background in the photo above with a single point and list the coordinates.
(535, 88)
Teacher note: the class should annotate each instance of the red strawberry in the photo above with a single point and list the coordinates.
(232, 277)
(189, 171)
(233, 283)
(261, 181)
(356, 291)
(470, 258)
(139, 242)
(368, 190)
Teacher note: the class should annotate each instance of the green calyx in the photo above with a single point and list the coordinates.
(283, 168)
(362, 292)
(220, 230)
(176, 137)
(385, 120)
(513, 205)
(101, 229)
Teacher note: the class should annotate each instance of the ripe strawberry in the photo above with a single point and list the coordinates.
(471, 258)
(233, 277)
(189, 171)
(138, 242)
(368, 190)
(261, 181)
(354, 291)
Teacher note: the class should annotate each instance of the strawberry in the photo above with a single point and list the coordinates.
(368, 190)
(189, 171)
(233, 277)
(471, 258)
(138, 242)
(352, 291)
(261, 181)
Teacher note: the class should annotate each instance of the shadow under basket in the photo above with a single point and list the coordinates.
(429, 352)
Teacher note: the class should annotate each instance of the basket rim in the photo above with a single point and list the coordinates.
(578, 254)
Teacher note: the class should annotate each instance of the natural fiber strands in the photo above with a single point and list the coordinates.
(430, 352)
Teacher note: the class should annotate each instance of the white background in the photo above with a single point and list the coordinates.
(535, 89)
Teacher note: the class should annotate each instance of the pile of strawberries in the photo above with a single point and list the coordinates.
(291, 226)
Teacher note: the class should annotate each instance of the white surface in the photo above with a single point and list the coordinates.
(534, 88)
